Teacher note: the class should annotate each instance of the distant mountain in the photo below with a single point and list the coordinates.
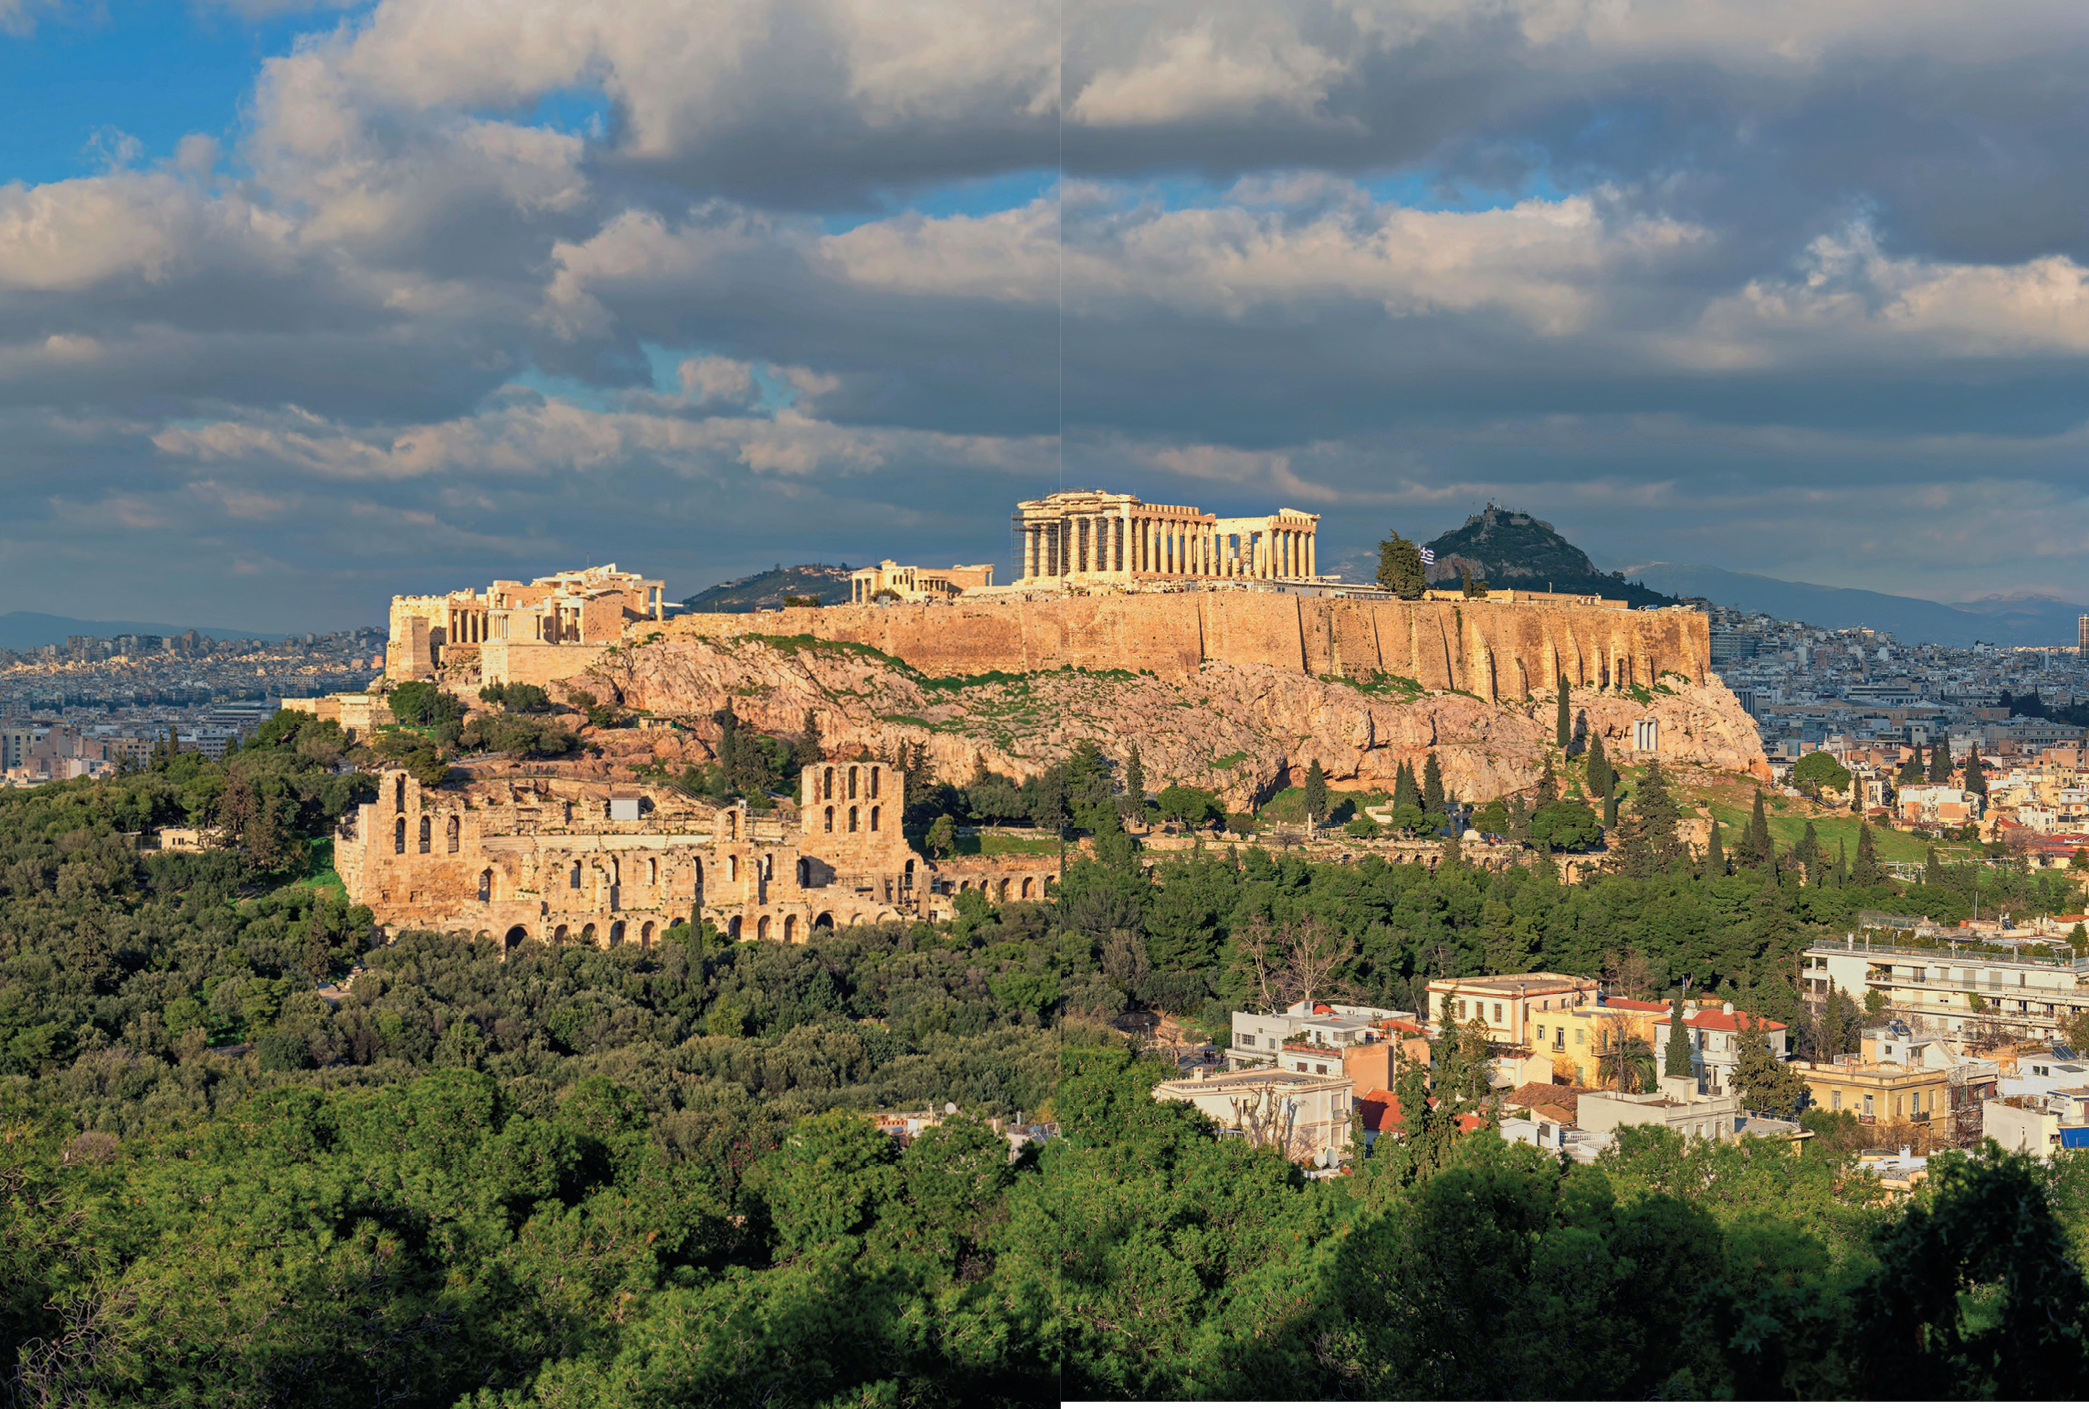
(25, 631)
(768, 589)
(2001, 621)
(1508, 549)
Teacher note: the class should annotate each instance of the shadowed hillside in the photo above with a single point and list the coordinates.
(768, 589)
(1508, 549)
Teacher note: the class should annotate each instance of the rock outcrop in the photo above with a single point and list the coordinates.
(1242, 731)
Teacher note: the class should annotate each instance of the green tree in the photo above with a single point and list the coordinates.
(1675, 1057)
(1866, 872)
(1432, 786)
(1911, 770)
(809, 749)
(1563, 726)
(1492, 820)
(1940, 762)
(1135, 780)
(941, 838)
(1315, 794)
(1818, 770)
(1566, 825)
(1715, 853)
(1759, 847)
(1601, 778)
(1976, 774)
(1472, 586)
(1405, 793)
(1400, 568)
(1192, 807)
(1766, 1084)
(1648, 843)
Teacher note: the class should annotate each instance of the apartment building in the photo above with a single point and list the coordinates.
(2027, 987)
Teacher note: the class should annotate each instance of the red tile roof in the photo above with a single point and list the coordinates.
(1714, 1020)
(1635, 1005)
(1381, 1111)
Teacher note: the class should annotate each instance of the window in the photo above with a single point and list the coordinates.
(1541, 1032)
(1867, 1104)
(1835, 1100)
(1497, 1012)
(830, 819)
(485, 886)
(573, 877)
(1319, 1069)
(399, 793)
(450, 831)
(399, 837)
(1247, 1039)
(1581, 1037)
(874, 788)
(852, 785)
(1461, 1008)
(732, 868)
(827, 788)
(427, 832)
(652, 870)
(852, 819)
(874, 819)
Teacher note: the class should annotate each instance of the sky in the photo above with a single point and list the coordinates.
(302, 305)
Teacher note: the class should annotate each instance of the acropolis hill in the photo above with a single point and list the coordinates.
(1209, 643)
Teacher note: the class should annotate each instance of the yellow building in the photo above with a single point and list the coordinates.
(1877, 1092)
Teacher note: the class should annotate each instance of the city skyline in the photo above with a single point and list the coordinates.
(302, 305)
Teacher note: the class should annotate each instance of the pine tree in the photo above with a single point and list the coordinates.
(1135, 780)
(1453, 852)
(1597, 767)
(1675, 1057)
(1654, 811)
(1911, 770)
(1432, 786)
(1976, 776)
(1316, 793)
(1400, 569)
(1563, 728)
(1405, 793)
(1715, 854)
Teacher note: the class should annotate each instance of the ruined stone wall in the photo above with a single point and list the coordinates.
(533, 662)
(1495, 650)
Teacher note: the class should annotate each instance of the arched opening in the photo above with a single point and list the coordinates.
(485, 886)
(450, 830)
(1004, 892)
(1026, 888)
(827, 786)
(559, 935)
(645, 935)
(830, 819)
(516, 935)
(874, 788)
(852, 785)
(699, 874)
(732, 927)
(790, 929)
(852, 819)
(399, 793)
(427, 833)
(874, 819)
(907, 883)
(823, 921)
(855, 920)
(804, 873)
(587, 933)
(573, 877)
(652, 870)
(399, 837)
(732, 868)
(616, 932)
(761, 928)
(616, 871)
(732, 826)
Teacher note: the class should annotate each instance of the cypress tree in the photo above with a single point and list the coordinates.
(1976, 776)
(1930, 875)
(1432, 786)
(1940, 762)
(1715, 854)
(1610, 812)
(1842, 863)
(1405, 794)
(1866, 872)
(1808, 852)
(1760, 852)
(1548, 787)
(1316, 793)
(1600, 777)
(1563, 728)
(1654, 810)
(1135, 780)
(1675, 1060)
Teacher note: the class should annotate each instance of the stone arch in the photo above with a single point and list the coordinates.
(830, 819)
(1002, 890)
(732, 825)
(732, 868)
(886, 917)
(573, 877)
(652, 870)
(427, 833)
(827, 788)
(874, 785)
(852, 819)
(560, 935)
(699, 874)
(732, 927)
(485, 885)
(587, 933)
(823, 921)
(517, 935)
(761, 928)
(855, 919)
(804, 873)
(399, 793)
(450, 830)
(616, 932)
(399, 837)
(645, 935)
(616, 871)
(874, 819)
(1026, 888)
(852, 784)
(790, 929)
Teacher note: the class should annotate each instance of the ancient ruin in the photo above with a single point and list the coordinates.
(556, 859)
(588, 607)
(1090, 536)
(889, 581)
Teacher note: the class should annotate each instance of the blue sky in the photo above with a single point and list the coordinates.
(472, 290)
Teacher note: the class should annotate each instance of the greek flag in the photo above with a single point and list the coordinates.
(1429, 557)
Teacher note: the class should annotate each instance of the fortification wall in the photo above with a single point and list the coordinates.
(1496, 650)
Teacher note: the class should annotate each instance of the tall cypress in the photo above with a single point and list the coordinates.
(1940, 762)
(1405, 794)
(1135, 780)
(1676, 1055)
(1610, 812)
(1715, 854)
(1930, 874)
(1432, 786)
(1866, 872)
(1760, 852)
(1316, 793)
(1600, 777)
(1563, 729)
(1976, 776)
(1842, 863)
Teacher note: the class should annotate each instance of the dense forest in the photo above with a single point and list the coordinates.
(255, 1154)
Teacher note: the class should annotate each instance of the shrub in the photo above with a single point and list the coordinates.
(283, 1050)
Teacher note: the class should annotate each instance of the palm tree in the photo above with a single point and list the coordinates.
(1625, 1059)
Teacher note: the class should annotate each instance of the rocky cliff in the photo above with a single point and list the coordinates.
(1240, 730)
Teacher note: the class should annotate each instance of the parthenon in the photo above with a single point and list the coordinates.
(1093, 535)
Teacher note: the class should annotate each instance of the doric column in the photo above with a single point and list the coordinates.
(1312, 557)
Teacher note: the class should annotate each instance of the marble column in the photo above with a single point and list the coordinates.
(1312, 557)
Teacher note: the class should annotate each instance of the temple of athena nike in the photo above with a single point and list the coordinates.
(1085, 535)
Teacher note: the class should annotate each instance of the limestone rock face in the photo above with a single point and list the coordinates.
(1240, 730)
